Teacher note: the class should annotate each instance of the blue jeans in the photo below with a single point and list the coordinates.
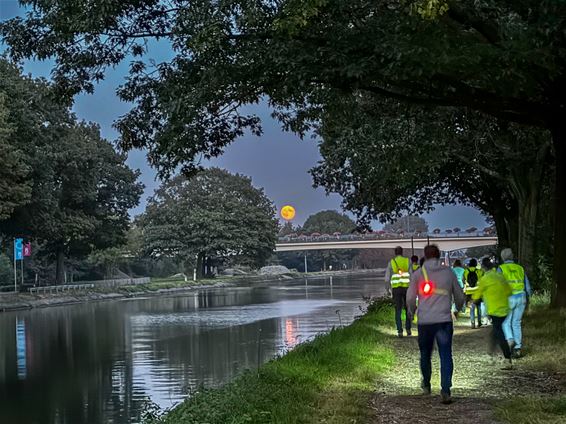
(476, 306)
(512, 324)
(442, 333)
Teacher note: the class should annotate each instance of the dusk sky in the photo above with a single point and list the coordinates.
(278, 161)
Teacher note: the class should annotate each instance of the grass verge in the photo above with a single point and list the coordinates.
(327, 380)
(544, 331)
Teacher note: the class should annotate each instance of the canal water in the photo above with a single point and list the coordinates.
(108, 362)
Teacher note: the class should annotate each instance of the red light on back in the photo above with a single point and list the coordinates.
(426, 288)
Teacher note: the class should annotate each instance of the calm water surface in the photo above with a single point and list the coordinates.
(104, 362)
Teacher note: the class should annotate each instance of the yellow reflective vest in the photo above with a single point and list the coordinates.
(515, 276)
(400, 276)
(415, 267)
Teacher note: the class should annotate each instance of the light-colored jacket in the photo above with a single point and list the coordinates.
(434, 306)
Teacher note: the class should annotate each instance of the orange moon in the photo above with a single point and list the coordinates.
(288, 212)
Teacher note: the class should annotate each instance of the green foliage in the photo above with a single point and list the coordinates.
(543, 275)
(502, 58)
(214, 214)
(324, 222)
(386, 159)
(457, 53)
(481, 251)
(15, 189)
(409, 224)
(329, 222)
(6, 270)
(287, 229)
(329, 378)
(429, 9)
(545, 333)
(76, 189)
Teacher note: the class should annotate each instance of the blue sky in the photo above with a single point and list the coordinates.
(278, 161)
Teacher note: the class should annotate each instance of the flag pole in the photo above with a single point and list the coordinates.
(15, 269)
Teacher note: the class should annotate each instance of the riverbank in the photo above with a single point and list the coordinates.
(329, 379)
(363, 373)
(157, 287)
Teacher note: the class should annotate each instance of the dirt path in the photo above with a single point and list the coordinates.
(478, 383)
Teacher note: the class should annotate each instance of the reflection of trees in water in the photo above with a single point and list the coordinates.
(100, 363)
(80, 362)
(205, 356)
(69, 367)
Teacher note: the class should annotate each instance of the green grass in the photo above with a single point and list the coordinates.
(534, 410)
(544, 331)
(327, 380)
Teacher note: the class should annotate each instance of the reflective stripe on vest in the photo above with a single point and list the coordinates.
(400, 276)
(515, 276)
(416, 267)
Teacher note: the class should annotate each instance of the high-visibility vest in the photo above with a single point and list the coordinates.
(515, 276)
(415, 267)
(400, 276)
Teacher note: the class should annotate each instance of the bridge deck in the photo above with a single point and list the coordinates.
(446, 244)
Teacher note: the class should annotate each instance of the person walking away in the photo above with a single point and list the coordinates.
(436, 287)
(414, 263)
(398, 274)
(521, 292)
(472, 274)
(458, 270)
(495, 291)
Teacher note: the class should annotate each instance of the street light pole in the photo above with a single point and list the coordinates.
(306, 267)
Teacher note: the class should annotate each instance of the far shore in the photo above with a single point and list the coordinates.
(158, 287)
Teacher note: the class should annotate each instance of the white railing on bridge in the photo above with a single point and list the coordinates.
(446, 244)
(375, 236)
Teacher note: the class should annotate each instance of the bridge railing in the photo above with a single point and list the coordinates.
(374, 236)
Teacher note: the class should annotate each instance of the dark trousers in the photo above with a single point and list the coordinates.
(400, 300)
(442, 333)
(498, 337)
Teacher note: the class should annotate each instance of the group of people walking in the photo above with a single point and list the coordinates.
(436, 294)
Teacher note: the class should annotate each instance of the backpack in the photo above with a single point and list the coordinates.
(472, 278)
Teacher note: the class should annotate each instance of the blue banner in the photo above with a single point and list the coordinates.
(19, 249)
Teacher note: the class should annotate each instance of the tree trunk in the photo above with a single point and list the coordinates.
(559, 142)
(509, 228)
(60, 266)
(200, 265)
(528, 214)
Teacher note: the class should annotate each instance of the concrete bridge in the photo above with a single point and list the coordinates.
(445, 244)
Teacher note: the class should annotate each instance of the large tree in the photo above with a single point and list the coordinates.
(418, 157)
(75, 189)
(329, 222)
(323, 222)
(408, 224)
(14, 189)
(213, 215)
(505, 58)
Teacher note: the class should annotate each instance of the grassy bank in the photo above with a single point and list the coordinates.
(545, 338)
(329, 379)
